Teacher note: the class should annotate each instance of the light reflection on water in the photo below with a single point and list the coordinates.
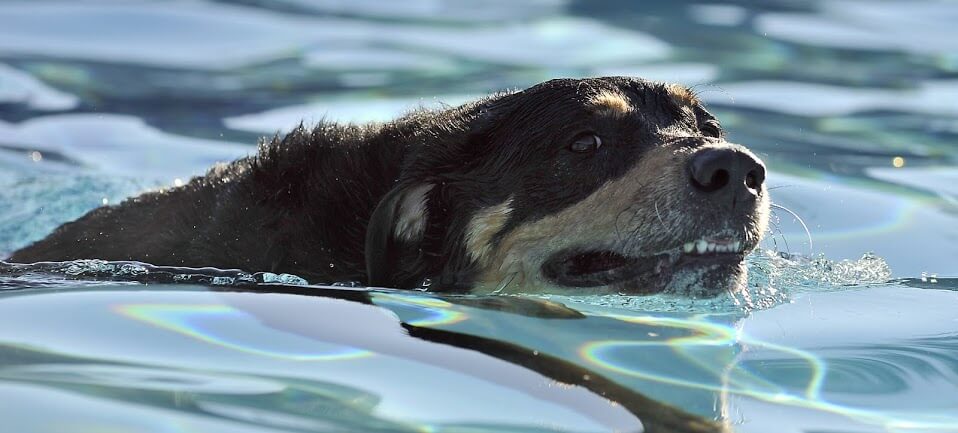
(216, 325)
(781, 375)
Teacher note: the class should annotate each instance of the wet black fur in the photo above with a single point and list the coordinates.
(321, 202)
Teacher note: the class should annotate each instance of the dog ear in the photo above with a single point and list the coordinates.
(395, 233)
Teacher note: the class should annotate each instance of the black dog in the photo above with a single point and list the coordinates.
(596, 185)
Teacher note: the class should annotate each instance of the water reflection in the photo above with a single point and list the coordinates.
(216, 324)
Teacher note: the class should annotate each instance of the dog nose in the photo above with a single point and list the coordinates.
(727, 174)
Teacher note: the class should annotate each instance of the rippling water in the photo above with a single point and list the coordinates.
(851, 328)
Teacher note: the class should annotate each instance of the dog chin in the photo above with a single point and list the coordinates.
(707, 281)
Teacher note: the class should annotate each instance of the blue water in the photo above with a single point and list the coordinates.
(851, 327)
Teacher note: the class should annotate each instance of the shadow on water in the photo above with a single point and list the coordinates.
(292, 401)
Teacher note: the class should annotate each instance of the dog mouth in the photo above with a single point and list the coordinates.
(583, 268)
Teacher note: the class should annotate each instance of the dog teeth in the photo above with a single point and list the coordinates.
(703, 246)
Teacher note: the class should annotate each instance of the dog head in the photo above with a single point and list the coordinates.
(572, 186)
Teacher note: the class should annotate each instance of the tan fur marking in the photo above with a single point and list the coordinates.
(644, 212)
(682, 95)
(411, 221)
(611, 103)
(483, 226)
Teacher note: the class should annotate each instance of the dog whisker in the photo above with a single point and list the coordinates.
(778, 228)
(505, 283)
(808, 233)
(655, 204)
(714, 88)
(618, 230)
(668, 229)
(780, 186)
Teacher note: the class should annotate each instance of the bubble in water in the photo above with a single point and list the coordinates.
(289, 279)
(131, 270)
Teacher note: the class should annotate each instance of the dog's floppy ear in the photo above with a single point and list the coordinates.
(395, 233)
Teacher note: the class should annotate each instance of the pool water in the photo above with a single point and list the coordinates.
(849, 327)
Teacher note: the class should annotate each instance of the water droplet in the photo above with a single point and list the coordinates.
(36, 156)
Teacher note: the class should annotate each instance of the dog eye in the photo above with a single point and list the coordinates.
(711, 128)
(586, 143)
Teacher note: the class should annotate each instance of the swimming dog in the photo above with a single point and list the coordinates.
(599, 185)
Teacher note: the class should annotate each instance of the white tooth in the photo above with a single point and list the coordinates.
(688, 247)
(721, 248)
(737, 246)
(711, 247)
(700, 246)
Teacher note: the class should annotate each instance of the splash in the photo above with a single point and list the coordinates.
(773, 278)
(798, 272)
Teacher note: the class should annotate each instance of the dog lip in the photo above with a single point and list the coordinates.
(593, 268)
(717, 258)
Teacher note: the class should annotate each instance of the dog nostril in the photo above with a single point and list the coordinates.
(718, 181)
(709, 171)
(751, 180)
(755, 177)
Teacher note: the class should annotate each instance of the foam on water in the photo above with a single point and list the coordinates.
(120, 271)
